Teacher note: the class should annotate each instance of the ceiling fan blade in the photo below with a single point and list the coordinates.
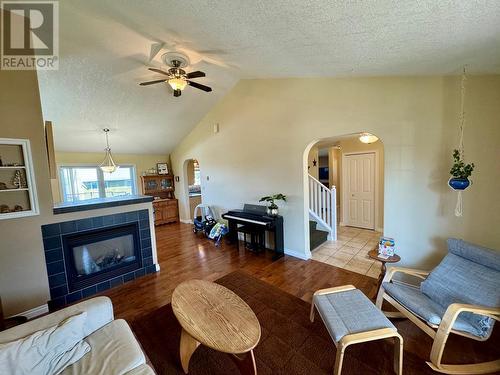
(196, 74)
(177, 92)
(159, 71)
(152, 82)
(198, 86)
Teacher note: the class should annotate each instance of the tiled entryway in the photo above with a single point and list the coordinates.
(350, 251)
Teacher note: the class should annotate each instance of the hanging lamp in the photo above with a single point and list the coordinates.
(108, 165)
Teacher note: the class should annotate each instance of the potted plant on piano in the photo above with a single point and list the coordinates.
(272, 209)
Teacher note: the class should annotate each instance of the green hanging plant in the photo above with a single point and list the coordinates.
(459, 168)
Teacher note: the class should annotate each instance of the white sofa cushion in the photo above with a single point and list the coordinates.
(114, 351)
(46, 352)
(99, 313)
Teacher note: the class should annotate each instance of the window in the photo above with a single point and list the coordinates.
(89, 182)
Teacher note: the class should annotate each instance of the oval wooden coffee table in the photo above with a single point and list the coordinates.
(214, 316)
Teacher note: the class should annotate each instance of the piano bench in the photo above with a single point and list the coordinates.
(256, 237)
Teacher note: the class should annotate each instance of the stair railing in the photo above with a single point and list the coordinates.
(323, 206)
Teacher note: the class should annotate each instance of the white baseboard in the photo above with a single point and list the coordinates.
(296, 254)
(34, 312)
(186, 221)
(157, 266)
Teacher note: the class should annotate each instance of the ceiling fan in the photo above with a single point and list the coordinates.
(177, 77)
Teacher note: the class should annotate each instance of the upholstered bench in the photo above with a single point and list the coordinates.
(350, 318)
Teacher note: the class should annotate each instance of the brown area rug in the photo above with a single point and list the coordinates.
(290, 343)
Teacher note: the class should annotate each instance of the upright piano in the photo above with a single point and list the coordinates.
(256, 215)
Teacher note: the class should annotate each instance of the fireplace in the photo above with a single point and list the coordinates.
(88, 256)
(97, 255)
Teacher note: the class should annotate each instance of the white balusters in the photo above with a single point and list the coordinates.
(323, 205)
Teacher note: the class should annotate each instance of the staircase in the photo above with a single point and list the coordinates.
(316, 236)
(323, 212)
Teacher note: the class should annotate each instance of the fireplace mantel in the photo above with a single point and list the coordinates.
(93, 204)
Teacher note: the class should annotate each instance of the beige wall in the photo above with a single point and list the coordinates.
(353, 145)
(142, 162)
(266, 126)
(23, 277)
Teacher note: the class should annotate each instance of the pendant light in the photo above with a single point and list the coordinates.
(108, 165)
(368, 138)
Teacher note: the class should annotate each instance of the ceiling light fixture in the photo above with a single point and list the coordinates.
(177, 83)
(108, 165)
(368, 138)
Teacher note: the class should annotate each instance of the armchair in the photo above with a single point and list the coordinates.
(461, 296)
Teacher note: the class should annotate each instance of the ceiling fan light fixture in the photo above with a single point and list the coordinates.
(177, 83)
(108, 165)
(368, 138)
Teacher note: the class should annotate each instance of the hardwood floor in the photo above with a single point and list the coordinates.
(183, 255)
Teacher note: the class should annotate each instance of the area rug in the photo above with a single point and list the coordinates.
(290, 343)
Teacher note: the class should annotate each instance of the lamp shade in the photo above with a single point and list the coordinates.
(177, 83)
(368, 138)
(108, 165)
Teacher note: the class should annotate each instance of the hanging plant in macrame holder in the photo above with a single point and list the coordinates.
(460, 172)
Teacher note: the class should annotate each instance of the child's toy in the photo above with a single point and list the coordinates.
(203, 219)
(217, 232)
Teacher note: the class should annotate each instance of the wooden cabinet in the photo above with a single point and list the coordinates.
(166, 211)
(165, 206)
(158, 186)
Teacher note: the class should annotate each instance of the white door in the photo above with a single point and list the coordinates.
(359, 195)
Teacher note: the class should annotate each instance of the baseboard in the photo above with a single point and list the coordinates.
(34, 312)
(157, 266)
(186, 221)
(296, 254)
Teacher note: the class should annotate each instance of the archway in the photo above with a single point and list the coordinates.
(344, 200)
(192, 186)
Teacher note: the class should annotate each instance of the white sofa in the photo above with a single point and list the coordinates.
(114, 348)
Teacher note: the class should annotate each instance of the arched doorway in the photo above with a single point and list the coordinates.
(344, 200)
(193, 187)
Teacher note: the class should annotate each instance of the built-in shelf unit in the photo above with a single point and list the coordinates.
(17, 180)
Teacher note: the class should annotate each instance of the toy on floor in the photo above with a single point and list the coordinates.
(203, 219)
(218, 231)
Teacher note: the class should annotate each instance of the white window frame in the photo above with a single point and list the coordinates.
(100, 177)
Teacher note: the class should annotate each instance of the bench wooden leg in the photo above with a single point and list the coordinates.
(398, 355)
(339, 359)
(311, 315)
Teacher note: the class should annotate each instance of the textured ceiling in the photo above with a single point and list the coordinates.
(105, 44)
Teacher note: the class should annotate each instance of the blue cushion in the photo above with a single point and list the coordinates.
(349, 312)
(477, 254)
(430, 311)
(415, 301)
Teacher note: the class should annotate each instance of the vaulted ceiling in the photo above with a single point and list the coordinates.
(105, 47)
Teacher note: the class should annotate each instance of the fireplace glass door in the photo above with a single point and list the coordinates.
(98, 255)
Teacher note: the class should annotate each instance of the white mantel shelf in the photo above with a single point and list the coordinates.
(94, 204)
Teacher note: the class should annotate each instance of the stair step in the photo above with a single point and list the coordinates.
(312, 225)
(317, 237)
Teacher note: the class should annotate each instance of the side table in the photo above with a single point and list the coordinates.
(392, 259)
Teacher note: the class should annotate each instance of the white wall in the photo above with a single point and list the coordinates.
(266, 125)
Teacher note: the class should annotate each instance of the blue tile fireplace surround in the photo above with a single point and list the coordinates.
(75, 272)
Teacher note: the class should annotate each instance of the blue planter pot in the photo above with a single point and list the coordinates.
(459, 183)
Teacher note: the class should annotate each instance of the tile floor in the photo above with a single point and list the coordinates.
(350, 251)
